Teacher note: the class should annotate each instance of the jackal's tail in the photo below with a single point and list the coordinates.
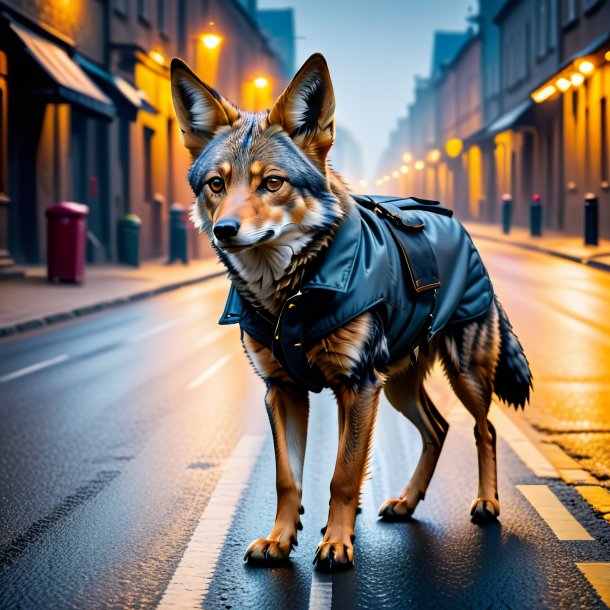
(513, 378)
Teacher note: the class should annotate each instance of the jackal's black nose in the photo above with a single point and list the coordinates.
(226, 228)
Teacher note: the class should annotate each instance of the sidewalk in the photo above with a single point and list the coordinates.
(32, 301)
(554, 243)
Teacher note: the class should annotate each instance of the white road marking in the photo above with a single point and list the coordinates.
(209, 372)
(556, 515)
(154, 331)
(192, 578)
(598, 574)
(33, 368)
(213, 336)
(521, 445)
(321, 594)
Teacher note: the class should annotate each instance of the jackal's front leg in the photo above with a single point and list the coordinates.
(288, 411)
(357, 412)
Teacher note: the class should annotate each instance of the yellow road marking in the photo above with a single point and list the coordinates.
(521, 445)
(557, 517)
(598, 574)
(576, 475)
(597, 497)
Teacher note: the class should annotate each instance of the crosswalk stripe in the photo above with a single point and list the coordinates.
(555, 514)
(192, 578)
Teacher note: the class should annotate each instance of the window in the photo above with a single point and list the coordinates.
(162, 18)
(120, 7)
(553, 24)
(569, 13)
(144, 10)
(2, 135)
(148, 162)
(542, 29)
(591, 4)
(605, 170)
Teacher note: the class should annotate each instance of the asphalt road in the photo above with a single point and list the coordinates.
(136, 466)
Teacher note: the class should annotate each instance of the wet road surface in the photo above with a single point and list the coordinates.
(134, 440)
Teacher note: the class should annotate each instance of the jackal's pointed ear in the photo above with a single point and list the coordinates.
(200, 110)
(306, 109)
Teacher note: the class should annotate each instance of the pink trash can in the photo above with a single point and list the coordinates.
(66, 242)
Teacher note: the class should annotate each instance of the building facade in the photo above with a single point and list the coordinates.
(540, 126)
(86, 111)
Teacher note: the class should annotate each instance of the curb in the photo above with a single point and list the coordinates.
(541, 249)
(22, 327)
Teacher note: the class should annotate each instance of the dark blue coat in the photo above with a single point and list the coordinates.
(407, 260)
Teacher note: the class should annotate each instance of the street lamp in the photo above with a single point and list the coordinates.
(419, 165)
(260, 82)
(157, 56)
(586, 67)
(577, 79)
(211, 41)
(407, 157)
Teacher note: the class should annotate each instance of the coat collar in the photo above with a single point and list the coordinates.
(335, 266)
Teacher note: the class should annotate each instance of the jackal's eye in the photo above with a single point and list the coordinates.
(273, 183)
(216, 184)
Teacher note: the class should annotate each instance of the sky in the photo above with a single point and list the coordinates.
(374, 49)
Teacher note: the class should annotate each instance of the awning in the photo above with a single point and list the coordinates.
(121, 90)
(508, 119)
(71, 83)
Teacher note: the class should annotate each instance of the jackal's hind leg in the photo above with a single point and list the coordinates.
(406, 393)
(470, 355)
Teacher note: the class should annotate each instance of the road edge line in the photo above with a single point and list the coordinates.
(550, 508)
(598, 575)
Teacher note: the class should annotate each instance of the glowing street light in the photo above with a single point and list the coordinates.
(386, 178)
(260, 82)
(211, 41)
(546, 92)
(395, 174)
(453, 147)
(404, 169)
(434, 155)
(157, 56)
(586, 67)
(363, 183)
(577, 79)
(407, 157)
(419, 165)
(563, 84)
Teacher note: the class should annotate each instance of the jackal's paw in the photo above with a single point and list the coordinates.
(396, 509)
(334, 556)
(268, 552)
(485, 510)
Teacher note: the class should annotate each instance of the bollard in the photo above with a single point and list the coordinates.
(507, 212)
(129, 240)
(591, 220)
(536, 216)
(178, 242)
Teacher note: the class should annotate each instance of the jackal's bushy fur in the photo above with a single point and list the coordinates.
(270, 204)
